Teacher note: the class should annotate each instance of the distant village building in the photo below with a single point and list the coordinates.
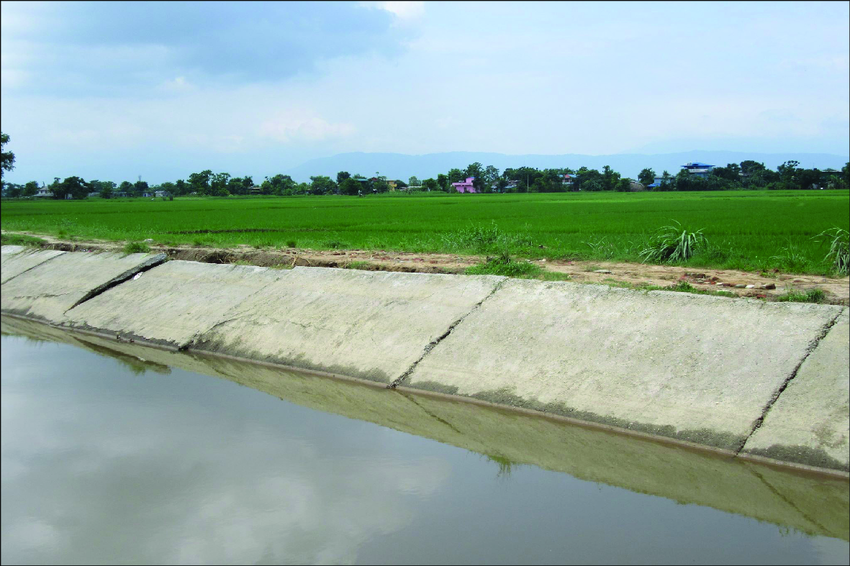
(465, 186)
(44, 192)
(162, 194)
(569, 179)
(657, 181)
(698, 169)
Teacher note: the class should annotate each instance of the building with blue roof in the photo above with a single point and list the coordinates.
(698, 169)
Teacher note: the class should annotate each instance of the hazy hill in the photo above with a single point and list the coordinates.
(401, 166)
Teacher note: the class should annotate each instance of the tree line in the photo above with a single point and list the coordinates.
(747, 175)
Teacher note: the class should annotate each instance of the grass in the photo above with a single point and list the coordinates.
(673, 244)
(136, 248)
(680, 287)
(839, 249)
(749, 230)
(21, 240)
(506, 266)
(358, 265)
(810, 296)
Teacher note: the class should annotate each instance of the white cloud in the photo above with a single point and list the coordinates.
(402, 10)
(289, 126)
(177, 84)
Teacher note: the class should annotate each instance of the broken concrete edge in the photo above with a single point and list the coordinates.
(150, 263)
(721, 453)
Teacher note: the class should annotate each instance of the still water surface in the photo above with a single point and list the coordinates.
(106, 462)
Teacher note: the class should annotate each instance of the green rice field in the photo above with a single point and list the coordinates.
(752, 230)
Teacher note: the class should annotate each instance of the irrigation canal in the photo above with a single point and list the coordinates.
(111, 455)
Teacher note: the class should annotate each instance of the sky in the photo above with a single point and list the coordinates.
(116, 90)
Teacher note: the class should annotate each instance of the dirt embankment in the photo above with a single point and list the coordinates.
(741, 283)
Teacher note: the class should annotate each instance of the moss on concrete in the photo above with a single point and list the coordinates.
(505, 396)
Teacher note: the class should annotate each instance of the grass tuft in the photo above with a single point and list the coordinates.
(673, 243)
(839, 249)
(136, 248)
(21, 240)
(810, 296)
(504, 265)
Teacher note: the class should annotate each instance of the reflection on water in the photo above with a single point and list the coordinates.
(111, 453)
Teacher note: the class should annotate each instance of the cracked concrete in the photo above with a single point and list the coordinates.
(433, 344)
(173, 304)
(370, 325)
(47, 290)
(810, 422)
(768, 377)
(690, 367)
(16, 260)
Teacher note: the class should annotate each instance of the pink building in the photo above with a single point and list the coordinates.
(465, 186)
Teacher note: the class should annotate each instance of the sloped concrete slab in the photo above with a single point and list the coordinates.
(49, 289)
(371, 325)
(692, 367)
(810, 421)
(15, 260)
(173, 303)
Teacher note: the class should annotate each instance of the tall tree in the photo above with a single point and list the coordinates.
(646, 177)
(7, 158)
(476, 170)
(610, 178)
(491, 176)
(342, 176)
(30, 189)
(126, 187)
(788, 173)
(455, 175)
(200, 182)
(349, 186)
(218, 184)
(74, 186)
(413, 182)
(321, 185)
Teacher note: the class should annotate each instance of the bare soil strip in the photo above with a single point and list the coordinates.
(742, 283)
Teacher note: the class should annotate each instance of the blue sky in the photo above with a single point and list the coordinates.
(116, 90)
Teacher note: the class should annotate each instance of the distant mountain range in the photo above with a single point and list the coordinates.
(401, 166)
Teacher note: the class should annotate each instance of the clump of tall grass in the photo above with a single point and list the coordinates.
(673, 243)
(601, 248)
(504, 265)
(810, 296)
(791, 259)
(486, 239)
(839, 249)
(136, 248)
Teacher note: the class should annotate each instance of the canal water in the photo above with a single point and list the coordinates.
(115, 453)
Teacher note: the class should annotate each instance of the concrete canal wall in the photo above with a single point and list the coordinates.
(759, 380)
